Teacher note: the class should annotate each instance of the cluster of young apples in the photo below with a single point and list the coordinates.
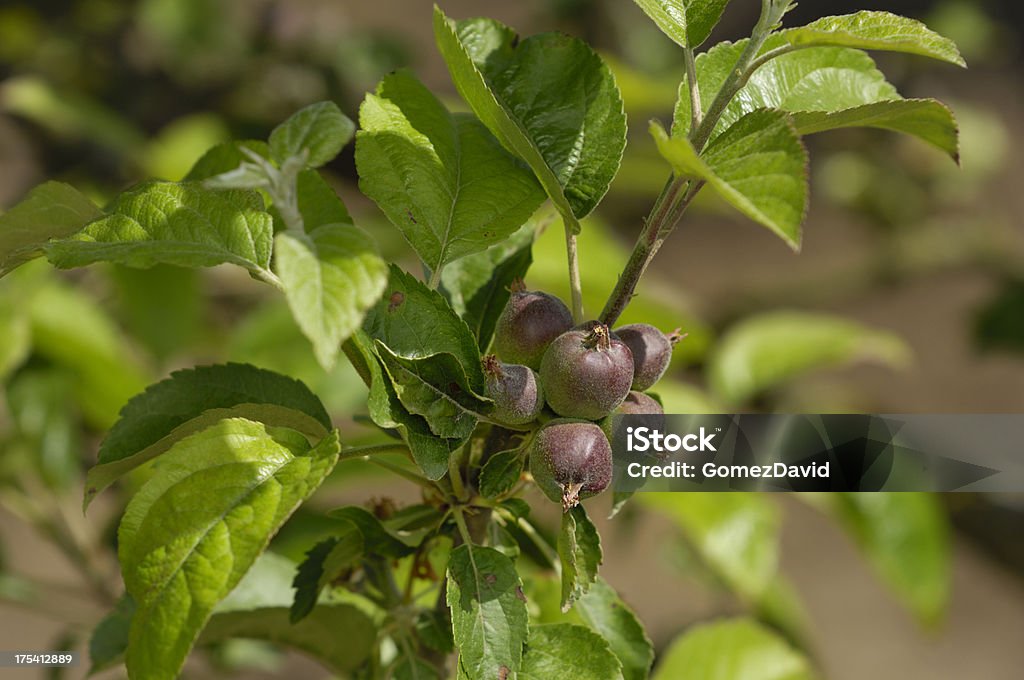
(584, 374)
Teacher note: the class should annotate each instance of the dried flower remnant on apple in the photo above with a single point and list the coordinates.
(571, 460)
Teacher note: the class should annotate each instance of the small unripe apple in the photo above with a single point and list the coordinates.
(515, 389)
(652, 352)
(635, 404)
(528, 324)
(570, 460)
(586, 373)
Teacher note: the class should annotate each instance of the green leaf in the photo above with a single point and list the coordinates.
(224, 158)
(180, 568)
(186, 394)
(196, 527)
(926, 119)
(332, 276)
(687, 22)
(15, 338)
(875, 31)
(192, 400)
(906, 537)
(320, 130)
(737, 649)
(579, 550)
(309, 580)
(479, 286)
(430, 452)
(51, 210)
(338, 634)
(488, 608)
(324, 562)
(735, 534)
(434, 630)
(71, 330)
(781, 608)
(377, 539)
(319, 203)
(415, 322)
(549, 99)
(759, 166)
(606, 614)
(437, 388)
(825, 88)
(109, 638)
(764, 351)
(431, 358)
(442, 179)
(564, 650)
(826, 79)
(412, 668)
(179, 224)
(500, 473)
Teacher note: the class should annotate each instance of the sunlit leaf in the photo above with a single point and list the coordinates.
(332, 276)
(178, 224)
(758, 166)
(825, 88)
(51, 210)
(604, 611)
(875, 31)
(905, 536)
(320, 131)
(192, 400)
(549, 99)
(735, 534)
(442, 179)
(563, 650)
(687, 22)
(765, 351)
(737, 649)
(195, 528)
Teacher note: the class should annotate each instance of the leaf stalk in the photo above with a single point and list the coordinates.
(575, 281)
(680, 191)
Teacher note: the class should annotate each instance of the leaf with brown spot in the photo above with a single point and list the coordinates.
(489, 620)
